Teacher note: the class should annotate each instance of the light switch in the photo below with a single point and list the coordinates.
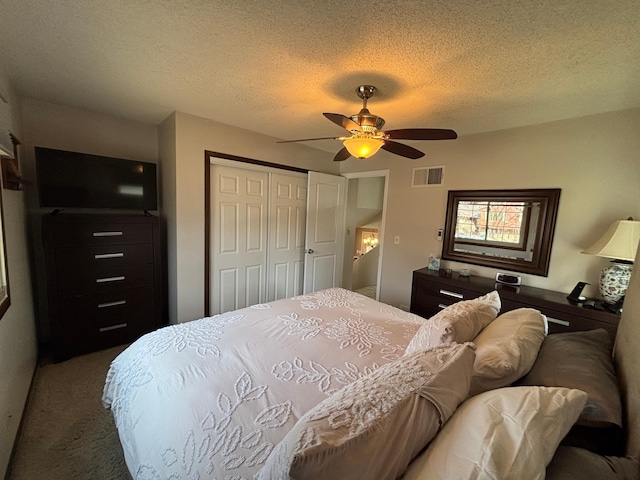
(396, 239)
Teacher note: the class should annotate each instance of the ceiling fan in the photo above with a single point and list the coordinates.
(367, 137)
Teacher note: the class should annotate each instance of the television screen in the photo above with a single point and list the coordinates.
(80, 180)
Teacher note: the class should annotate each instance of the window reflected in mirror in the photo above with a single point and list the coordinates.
(5, 299)
(510, 229)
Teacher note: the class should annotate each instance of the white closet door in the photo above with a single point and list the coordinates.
(239, 206)
(287, 216)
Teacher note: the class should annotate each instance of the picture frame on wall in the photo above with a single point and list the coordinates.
(11, 179)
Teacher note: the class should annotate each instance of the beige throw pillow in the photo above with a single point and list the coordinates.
(373, 427)
(460, 322)
(507, 349)
(508, 434)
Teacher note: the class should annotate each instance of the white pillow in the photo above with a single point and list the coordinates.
(506, 349)
(507, 434)
(460, 322)
(373, 427)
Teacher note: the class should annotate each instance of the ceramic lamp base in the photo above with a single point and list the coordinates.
(614, 281)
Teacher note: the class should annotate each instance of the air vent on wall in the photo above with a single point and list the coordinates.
(427, 176)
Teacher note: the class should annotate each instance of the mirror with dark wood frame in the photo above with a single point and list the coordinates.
(5, 299)
(504, 229)
(11, 180)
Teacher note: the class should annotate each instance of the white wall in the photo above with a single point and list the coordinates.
(595, 160)
(18, 352)
(185, 173)
(167, 193)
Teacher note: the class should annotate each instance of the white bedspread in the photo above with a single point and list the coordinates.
(210, 399)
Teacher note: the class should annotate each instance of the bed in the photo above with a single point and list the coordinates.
(337, 385)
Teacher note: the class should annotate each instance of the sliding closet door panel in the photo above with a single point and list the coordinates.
(254, 285)
(286, 235)
(229, 228)
(227, 295)
(239, 206)
(256, 228)
(280, 277)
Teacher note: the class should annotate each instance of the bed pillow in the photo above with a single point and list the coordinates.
(506, 349)
(373, 427)
(460, 322)
(583, 360)
(509, 433)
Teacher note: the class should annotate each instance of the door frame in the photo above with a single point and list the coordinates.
(219, 158)
(381, 234)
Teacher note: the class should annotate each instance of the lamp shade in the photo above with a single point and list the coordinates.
(363, 147)
(620, 242)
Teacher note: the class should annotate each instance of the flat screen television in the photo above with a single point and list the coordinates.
(80, 180)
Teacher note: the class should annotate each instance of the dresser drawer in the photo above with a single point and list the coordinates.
(453, 292)
(80, 282)
(429, 297)
(71, 234)
(107, 308)
(427, 305)
(90, 335)
(94, 257)
(128, 330)
(93, 322)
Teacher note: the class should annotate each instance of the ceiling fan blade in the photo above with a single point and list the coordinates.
(402, 149)
(342, 155)
(422, 134)
(307, 139)
(344, 122)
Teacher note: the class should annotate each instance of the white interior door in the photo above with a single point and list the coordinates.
(287, 216)
(325, 231)
(239, 206)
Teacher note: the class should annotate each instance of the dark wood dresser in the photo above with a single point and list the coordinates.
(104, 280)
(434, 290)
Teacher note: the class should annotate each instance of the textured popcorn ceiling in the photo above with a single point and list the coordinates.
(274, 67)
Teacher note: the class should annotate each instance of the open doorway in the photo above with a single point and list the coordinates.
(366, 202)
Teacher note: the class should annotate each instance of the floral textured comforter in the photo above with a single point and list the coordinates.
(210, 399)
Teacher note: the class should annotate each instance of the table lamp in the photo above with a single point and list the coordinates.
(620, 243)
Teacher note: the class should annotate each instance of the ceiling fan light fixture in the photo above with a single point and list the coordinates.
(366, 135)
(363, 147)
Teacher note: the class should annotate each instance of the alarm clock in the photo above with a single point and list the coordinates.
(508, 278)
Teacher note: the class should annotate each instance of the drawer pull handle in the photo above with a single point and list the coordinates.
(113, 327)
(442, 306)
(109, 279)
(451, 294)
(112, 304)
(108, 255)
(107, 234)
(559, 322)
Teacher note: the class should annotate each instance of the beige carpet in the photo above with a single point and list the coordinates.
(66, 433)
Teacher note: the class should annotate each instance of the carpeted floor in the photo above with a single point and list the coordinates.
(66, 433)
